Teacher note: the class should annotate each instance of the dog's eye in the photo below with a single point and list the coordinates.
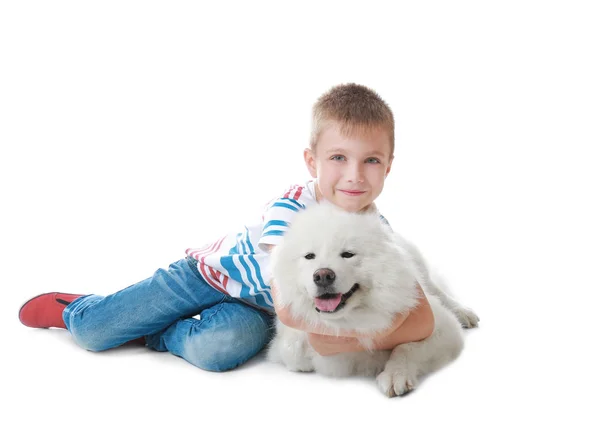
(309, 256)
(347, 254)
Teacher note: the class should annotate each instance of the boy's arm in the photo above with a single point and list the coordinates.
(414, 326)
(417, 325)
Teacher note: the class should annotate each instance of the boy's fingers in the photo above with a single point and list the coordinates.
(321, 338)
(324, 349)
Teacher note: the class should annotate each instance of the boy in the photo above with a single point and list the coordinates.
(227, 282)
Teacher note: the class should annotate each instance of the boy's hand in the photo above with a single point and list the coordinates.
(332, 345)
(416, 326)
(326, 345)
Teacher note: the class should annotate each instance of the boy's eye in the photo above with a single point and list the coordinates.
(373, 160)
(337, 157)
(309, 256)
(347, 254)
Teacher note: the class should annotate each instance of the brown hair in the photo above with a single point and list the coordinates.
(355, 107)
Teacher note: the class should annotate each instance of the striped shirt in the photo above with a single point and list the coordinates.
(238, 263)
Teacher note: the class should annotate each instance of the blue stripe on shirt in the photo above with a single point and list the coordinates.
(266, 299)
(293, 201)
(257, 292)
(285, 205)
(273, 233)
(261, 298)
(228, 263)
(256, 266)
(248, 274)
(259, 285)
(232, 270)
(267, 292)
(276, 222)
(385, 221)
(240, 243)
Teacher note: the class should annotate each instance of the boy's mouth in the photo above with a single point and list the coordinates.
(352, 192)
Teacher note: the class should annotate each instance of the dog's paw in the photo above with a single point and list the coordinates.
(298, 363)
(394, 383)
(300, 367)
(466, 317)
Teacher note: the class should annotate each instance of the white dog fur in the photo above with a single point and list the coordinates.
(386, 268)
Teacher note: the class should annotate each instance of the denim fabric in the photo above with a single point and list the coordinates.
(161, 308)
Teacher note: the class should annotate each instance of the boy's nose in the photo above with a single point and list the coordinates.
(355, 174)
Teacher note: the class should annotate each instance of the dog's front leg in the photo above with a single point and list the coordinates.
(399, 376)
(291, 347)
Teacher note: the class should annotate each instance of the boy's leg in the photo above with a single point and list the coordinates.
(226, 335)
(99, 323)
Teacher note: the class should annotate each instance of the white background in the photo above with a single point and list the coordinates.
(132, 130)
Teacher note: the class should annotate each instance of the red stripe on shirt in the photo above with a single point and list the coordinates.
(203, 267)
(208, 280)
(292, 188)
(200, 254)
(223, 278)
(225, 281)
(219, 274)
(298, 193)
(195, 253)
(214, 275)
(207, 272)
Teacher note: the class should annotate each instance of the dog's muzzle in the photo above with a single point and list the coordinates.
(333, 302)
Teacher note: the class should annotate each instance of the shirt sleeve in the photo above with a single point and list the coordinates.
(277, 218)
(385, 221)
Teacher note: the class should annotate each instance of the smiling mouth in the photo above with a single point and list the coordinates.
(352, 192)
(333, 302)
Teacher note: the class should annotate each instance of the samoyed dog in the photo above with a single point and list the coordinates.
(350, 271)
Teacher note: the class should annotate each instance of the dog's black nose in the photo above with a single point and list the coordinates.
(324, 277)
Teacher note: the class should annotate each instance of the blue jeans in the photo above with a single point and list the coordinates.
(161, 308)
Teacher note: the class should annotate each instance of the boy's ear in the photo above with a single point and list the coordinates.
(309, 159)
(389, 168)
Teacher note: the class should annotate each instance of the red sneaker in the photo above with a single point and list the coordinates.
(45, 310)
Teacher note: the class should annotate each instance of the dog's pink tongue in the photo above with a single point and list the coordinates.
(328, 305)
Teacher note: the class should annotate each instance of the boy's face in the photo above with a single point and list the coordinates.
(350, 170)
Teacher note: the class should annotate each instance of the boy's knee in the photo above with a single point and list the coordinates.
(84, 333)
(223, 350)
(90, 342)
(91, 338)
(215, 353)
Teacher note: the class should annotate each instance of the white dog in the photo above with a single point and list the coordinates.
(350, 271)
